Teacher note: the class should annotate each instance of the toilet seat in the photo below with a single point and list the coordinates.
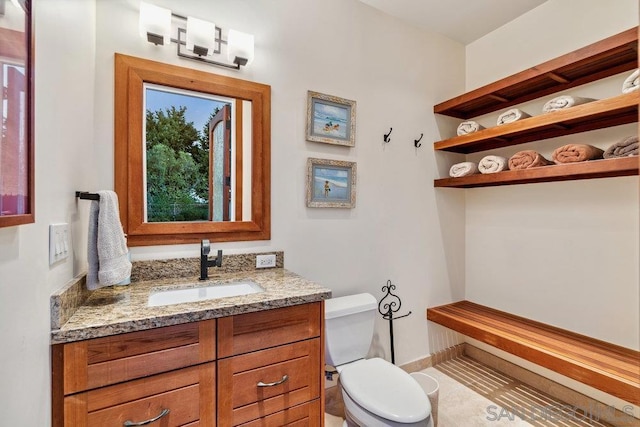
(385, 390)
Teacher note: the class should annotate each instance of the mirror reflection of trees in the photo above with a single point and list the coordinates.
(177, 166)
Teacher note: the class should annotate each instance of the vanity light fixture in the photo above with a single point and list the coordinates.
(240, 49)
(155, 23)
(197, 39)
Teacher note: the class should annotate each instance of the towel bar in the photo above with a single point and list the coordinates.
(87, 196)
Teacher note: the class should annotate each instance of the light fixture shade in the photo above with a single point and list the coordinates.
(201, 36)
(155, 23)
(240, 47)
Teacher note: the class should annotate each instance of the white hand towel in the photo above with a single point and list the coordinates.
(493, 164)
(463, 169)
(564, 101)
(107, 247)
(632, 82)
(511, 116)
(468, 127)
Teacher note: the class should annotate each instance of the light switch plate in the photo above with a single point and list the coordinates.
(59, 242)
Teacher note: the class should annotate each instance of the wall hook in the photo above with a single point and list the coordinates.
(388, 305)
(386, 136)
(417, 142)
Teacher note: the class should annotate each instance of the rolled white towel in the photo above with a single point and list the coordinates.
(493, 164)
(632, 82)
(469, 127)
(564, 101)
(511, 115)
(463, 169)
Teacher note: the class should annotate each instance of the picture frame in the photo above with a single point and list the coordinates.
(331, 119)
(331, 183)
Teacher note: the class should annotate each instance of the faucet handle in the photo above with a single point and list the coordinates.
(205, 247)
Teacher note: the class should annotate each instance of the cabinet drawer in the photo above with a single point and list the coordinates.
(188, 394)
(244, 399)
(256, 331)
(305, 415)
(104, 361)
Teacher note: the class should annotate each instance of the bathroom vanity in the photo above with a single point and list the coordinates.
(247, 360)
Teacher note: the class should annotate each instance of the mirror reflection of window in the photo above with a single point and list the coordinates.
(189, 158)
(14, 153)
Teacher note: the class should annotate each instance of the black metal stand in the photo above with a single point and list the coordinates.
(392, 305)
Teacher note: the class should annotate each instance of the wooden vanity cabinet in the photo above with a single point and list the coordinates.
(270, 367)
(136, 377)
(255, 369)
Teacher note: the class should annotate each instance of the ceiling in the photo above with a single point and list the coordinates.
(461, 20)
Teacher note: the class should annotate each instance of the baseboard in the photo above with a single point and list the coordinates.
(434, 358)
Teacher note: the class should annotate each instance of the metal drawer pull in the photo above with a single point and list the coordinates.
(283, 380)
(144, 423)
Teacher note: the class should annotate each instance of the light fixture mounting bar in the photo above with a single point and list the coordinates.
(182, 52)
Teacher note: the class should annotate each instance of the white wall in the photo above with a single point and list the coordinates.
(395, 74)
(561, 253)
(64, 84)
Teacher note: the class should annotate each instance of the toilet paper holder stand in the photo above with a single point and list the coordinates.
(387, 307)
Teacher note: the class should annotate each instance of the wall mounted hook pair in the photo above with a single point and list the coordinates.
(416, 142)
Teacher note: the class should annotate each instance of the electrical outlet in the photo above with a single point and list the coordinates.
(59, 242)
(266, 261)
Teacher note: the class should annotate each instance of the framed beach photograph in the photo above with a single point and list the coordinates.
(331, 183)
(330, 119)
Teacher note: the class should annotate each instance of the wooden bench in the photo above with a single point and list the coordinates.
(602, 365)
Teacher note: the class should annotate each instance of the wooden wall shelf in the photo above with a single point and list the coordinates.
(607, 168)
(604, 366)
(599, 114)
(605, 58)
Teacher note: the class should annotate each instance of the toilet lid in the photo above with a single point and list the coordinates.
(385, 390)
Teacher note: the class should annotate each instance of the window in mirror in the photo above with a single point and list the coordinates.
(189, 142)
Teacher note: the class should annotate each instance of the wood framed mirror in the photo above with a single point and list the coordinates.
(17, 196)
(192, 154)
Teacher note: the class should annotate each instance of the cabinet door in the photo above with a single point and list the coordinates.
(265, 382)
(263, 329)
(185, 397)
(305, 415)
(109, 360)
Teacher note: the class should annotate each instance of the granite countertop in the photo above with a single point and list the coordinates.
(120, 309)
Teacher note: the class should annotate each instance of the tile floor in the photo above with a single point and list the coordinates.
(473, 394)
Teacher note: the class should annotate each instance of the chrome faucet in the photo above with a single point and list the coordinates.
(205, 262)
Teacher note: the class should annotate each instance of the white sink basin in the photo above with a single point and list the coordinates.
(178, 296)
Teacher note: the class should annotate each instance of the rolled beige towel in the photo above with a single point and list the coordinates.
(493, 164)
(463, 169)
(624, 148)
(527, 159)
(511, 116)
(468, 127)
(572, 153)
(564, 101)
(632, 82)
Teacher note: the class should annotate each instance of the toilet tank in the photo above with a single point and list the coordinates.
(349, 324)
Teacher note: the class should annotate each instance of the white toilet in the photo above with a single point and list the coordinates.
(376, 393)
